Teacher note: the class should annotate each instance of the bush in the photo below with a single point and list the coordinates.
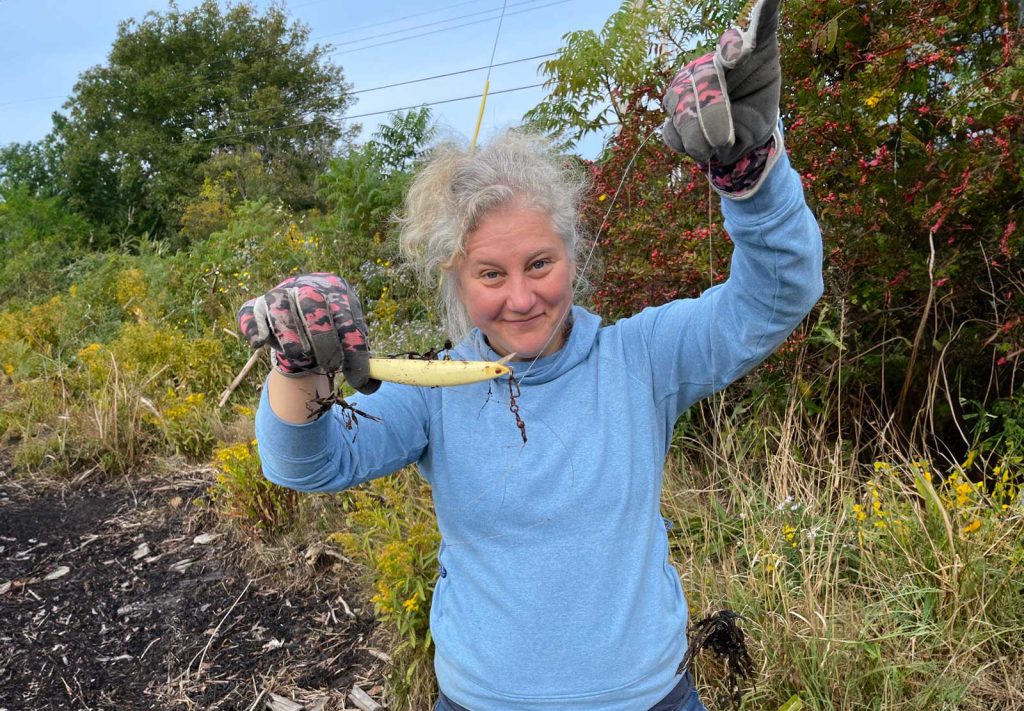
(242, 493)
(392, 531)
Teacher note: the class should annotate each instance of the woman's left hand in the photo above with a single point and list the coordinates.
(725, 104)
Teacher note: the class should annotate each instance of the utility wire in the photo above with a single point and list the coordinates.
(202, 82)
(449, 74)
(443, 101)
(225, 137)
(429, 24)
(386, 22)
(444, 29)
(287, 104)
(303, 100)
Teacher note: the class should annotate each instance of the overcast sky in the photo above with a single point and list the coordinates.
(46, 44)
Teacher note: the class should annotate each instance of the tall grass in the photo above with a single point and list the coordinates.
(887, 585)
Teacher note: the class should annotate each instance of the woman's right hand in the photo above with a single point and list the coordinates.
(314, 324)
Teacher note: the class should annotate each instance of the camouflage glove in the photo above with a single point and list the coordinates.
(724, 106)
(314, 324)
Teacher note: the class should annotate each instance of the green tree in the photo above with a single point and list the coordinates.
(589, 82)
(28, 166)
(180, 89)
(907, 127)
(366, 185)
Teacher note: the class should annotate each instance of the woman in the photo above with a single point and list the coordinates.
(555, 590)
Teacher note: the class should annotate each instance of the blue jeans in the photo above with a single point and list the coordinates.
(682, 698)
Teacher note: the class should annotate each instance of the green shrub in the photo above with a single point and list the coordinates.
(242, 493)
(392, 531)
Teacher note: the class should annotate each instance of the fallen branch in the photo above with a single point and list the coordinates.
(239, 378)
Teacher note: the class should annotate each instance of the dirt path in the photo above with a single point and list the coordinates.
(117, 598)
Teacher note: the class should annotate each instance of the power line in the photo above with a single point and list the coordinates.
(444, 29)
(200, 82)
(384, 22)
(243, 134)
(451, 74)
(426, 24)
(443, 101)
(27, 101)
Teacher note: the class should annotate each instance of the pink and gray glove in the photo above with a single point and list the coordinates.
(723, 107)
(314, 324)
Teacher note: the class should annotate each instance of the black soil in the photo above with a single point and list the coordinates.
(109, 601)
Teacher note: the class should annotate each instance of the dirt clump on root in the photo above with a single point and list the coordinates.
(127, 597)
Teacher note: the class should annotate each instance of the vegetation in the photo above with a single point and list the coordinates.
(856, 499)
(186, 93)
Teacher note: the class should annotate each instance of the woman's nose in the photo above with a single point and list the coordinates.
(521, 296)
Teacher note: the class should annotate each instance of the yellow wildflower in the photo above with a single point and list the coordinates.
(872, 101)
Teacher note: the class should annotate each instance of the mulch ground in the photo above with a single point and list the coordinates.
(128, 597)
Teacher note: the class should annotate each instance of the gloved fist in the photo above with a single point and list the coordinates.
(313, 323)
(725, 104)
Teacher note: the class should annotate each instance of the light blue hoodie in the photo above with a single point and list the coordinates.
(556, 591)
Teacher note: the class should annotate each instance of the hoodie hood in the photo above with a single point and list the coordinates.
(578, 346)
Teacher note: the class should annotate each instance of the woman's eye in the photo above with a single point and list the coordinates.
(539, 264)
(490, 275)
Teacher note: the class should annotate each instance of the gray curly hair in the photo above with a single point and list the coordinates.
(458, 186)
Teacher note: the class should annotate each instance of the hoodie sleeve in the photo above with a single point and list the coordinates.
(694, 347)
(336, 452)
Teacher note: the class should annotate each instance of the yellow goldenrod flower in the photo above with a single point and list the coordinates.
(972, 526)
(872, 101)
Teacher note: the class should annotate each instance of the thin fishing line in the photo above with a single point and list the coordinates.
(494, 49)
(511, 465)
(593, 248)
(487, 79)
(711, 350)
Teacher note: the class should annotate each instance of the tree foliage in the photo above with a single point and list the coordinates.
(28, 166)
(182, 88)
(366, 185)
(905, 122)
(589, 82)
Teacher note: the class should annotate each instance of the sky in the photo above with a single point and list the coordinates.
(46, 44)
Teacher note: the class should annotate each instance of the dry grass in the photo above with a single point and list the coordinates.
(862, 586)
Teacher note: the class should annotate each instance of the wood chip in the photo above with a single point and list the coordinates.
(205, 539)
(58, 573)
(363, 700)
(280, 703)
(182, 565)
(383, 656)
(141, 551)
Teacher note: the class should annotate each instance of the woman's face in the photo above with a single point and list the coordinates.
(515, 281)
